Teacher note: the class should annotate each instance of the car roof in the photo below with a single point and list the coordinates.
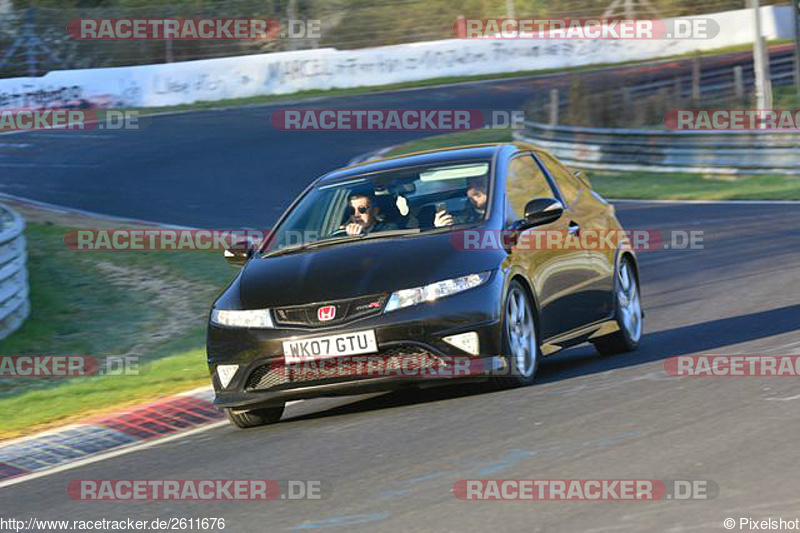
(428, 157)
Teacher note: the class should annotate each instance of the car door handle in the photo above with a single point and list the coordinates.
(574, 228)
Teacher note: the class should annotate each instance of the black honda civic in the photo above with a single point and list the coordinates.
(470, 262)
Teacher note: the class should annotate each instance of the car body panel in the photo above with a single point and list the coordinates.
(572, 292)
(357, 269)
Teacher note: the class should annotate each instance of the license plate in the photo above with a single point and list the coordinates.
(330, 346)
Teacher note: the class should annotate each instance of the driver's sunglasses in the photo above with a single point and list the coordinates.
(361, 209)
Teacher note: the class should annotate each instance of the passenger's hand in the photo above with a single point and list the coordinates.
(354, 228)
(443, 218)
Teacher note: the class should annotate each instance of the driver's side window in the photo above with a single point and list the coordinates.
(524, 182)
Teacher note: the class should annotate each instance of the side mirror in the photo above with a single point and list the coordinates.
(537, 212)
(541, 211)
(242, 251)
(237, 257)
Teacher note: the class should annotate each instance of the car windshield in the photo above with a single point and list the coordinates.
(404, 201)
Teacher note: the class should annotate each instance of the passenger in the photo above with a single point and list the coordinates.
(475, 210)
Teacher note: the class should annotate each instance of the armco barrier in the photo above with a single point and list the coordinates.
(14, 303)
(730, 152)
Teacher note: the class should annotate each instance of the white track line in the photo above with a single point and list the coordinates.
(91, 214)
(710, 202)
(130, 448)
(193, 392)
(108, 455)
(790, 398)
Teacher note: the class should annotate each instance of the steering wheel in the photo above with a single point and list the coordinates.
(341, 232)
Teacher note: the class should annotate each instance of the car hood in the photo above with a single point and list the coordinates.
(356, 269)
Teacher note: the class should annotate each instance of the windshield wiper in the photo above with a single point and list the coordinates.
(342, 239)
(389, 233)
(285, 250)
(360, 237)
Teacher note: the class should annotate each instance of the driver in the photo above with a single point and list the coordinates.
(366, 216)
(475, 211)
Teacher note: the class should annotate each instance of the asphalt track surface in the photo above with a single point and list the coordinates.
(392, 459)
(231, 168)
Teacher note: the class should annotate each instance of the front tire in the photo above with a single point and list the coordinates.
(520, 342)
(255, 417)
(628, 315)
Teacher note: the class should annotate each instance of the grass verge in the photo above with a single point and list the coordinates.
(41, 409)
(641, 185)
(148, 304)
(648, 186)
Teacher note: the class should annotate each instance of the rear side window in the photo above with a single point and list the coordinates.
(569, 185)
(524, 182)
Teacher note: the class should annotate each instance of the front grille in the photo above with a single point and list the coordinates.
(265, 377)
(346, 310)
(393, 361)
(269, 376)
(405, 349)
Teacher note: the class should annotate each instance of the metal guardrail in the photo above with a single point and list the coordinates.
(719, 81)
(715, 83)
(14, 303)
(730, 152)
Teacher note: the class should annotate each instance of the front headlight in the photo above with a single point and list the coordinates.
(255, 318)
(434, 291)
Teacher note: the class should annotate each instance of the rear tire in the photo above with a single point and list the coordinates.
(520, 342)
(255, 417)
(628, 313)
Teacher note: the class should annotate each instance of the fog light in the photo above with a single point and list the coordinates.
(225, 374)
(464, 341)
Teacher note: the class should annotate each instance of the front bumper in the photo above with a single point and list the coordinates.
(416, 330)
